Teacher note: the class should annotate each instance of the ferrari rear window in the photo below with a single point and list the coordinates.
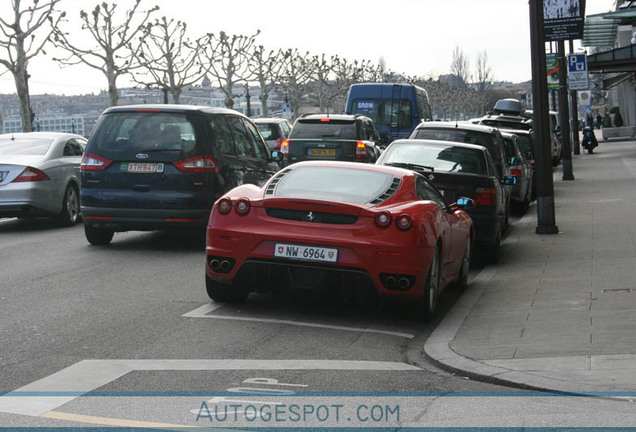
(25, 146)
(346, 185)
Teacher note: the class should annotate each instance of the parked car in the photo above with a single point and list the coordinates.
(555, 135)
(274, 130)
(486, 136)
(460, 170)
(338, 225)
(342, 137)
(526, 147)
(150, 167)
(521, 194)
(39, 175)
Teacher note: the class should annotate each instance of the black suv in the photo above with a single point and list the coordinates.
(149, 167)
(342, 137)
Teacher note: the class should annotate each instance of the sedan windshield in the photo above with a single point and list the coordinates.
(439, 157)
(346, 185)
(25, 146)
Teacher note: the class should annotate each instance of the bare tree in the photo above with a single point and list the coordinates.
(321, 75)
(228, 57)
(346, 73)
(169, 58)
(116, 44)
(460, 65)
(266, 70)
(483, 72)
(20, 43)
(296, 75)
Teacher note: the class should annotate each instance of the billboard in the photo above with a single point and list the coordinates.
(563, 19)
(552, 70)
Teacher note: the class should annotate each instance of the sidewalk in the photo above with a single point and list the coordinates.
(557, 312)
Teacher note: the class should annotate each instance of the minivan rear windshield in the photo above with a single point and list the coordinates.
(336, 129)
(125, 132)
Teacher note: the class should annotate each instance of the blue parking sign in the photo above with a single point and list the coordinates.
(577, 63)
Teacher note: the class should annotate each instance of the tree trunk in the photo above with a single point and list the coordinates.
(176, 95)
(22, 87)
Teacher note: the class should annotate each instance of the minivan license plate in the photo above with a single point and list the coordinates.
(144, 168)
(305, 253)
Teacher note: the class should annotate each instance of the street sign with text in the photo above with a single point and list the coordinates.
(577, 72)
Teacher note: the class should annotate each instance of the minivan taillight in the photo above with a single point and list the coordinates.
(361, 150)
(31, 174)
(284, 148)
(486, 197)
(197, 165)
(91, 162)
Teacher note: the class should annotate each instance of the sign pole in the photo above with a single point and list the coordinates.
(546, 223)
(564, 115)
(575, 113)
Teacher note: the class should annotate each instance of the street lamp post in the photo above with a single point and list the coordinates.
(546, 223)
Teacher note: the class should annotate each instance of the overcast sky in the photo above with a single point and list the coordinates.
(416, 37)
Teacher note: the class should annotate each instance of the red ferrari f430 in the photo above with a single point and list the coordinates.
(355, 228)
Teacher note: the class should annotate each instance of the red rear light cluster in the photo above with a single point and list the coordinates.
(243, 206)
(325, 120)
(225, 205)
(197, 165)
(284, 148)
(31, 174)
(278, 143)
(516, 172)
(486, 197)
(91, 162)
(404, 222)
(383, 219)
(361, 150)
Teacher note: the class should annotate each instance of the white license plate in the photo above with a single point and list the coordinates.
(136, 167)
(305, 253)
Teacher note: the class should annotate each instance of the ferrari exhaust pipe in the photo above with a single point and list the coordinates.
(390, 282)
(215, 264)
(403, 283)
(226, 266)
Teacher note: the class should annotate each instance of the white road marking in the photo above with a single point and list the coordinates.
(88, 375)
(202, 312)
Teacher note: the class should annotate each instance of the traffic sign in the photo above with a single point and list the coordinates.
(577, 72)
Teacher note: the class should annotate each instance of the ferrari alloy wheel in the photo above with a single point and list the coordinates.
(427, 305)
(462, 278)
(70, 213)
(98, 236)
(224, 292)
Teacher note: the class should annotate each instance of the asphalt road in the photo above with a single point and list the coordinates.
(128, 336)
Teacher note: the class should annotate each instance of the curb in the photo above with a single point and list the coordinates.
(438, 351)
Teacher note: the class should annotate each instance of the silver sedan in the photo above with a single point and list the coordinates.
(39, 175)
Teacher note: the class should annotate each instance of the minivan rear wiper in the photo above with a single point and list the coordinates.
(414, 167)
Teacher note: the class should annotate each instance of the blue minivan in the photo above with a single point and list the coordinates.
(396, 109)
(151, 167)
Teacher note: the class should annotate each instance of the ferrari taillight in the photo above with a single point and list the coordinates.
(383, 219)
(404, 222)
(243, 206)
(361, 150)
(486, 197)
(224, 206)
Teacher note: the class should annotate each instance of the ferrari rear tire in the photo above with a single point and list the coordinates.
(98, 236)
(427, 305)
(462, 277)
(224, 292)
